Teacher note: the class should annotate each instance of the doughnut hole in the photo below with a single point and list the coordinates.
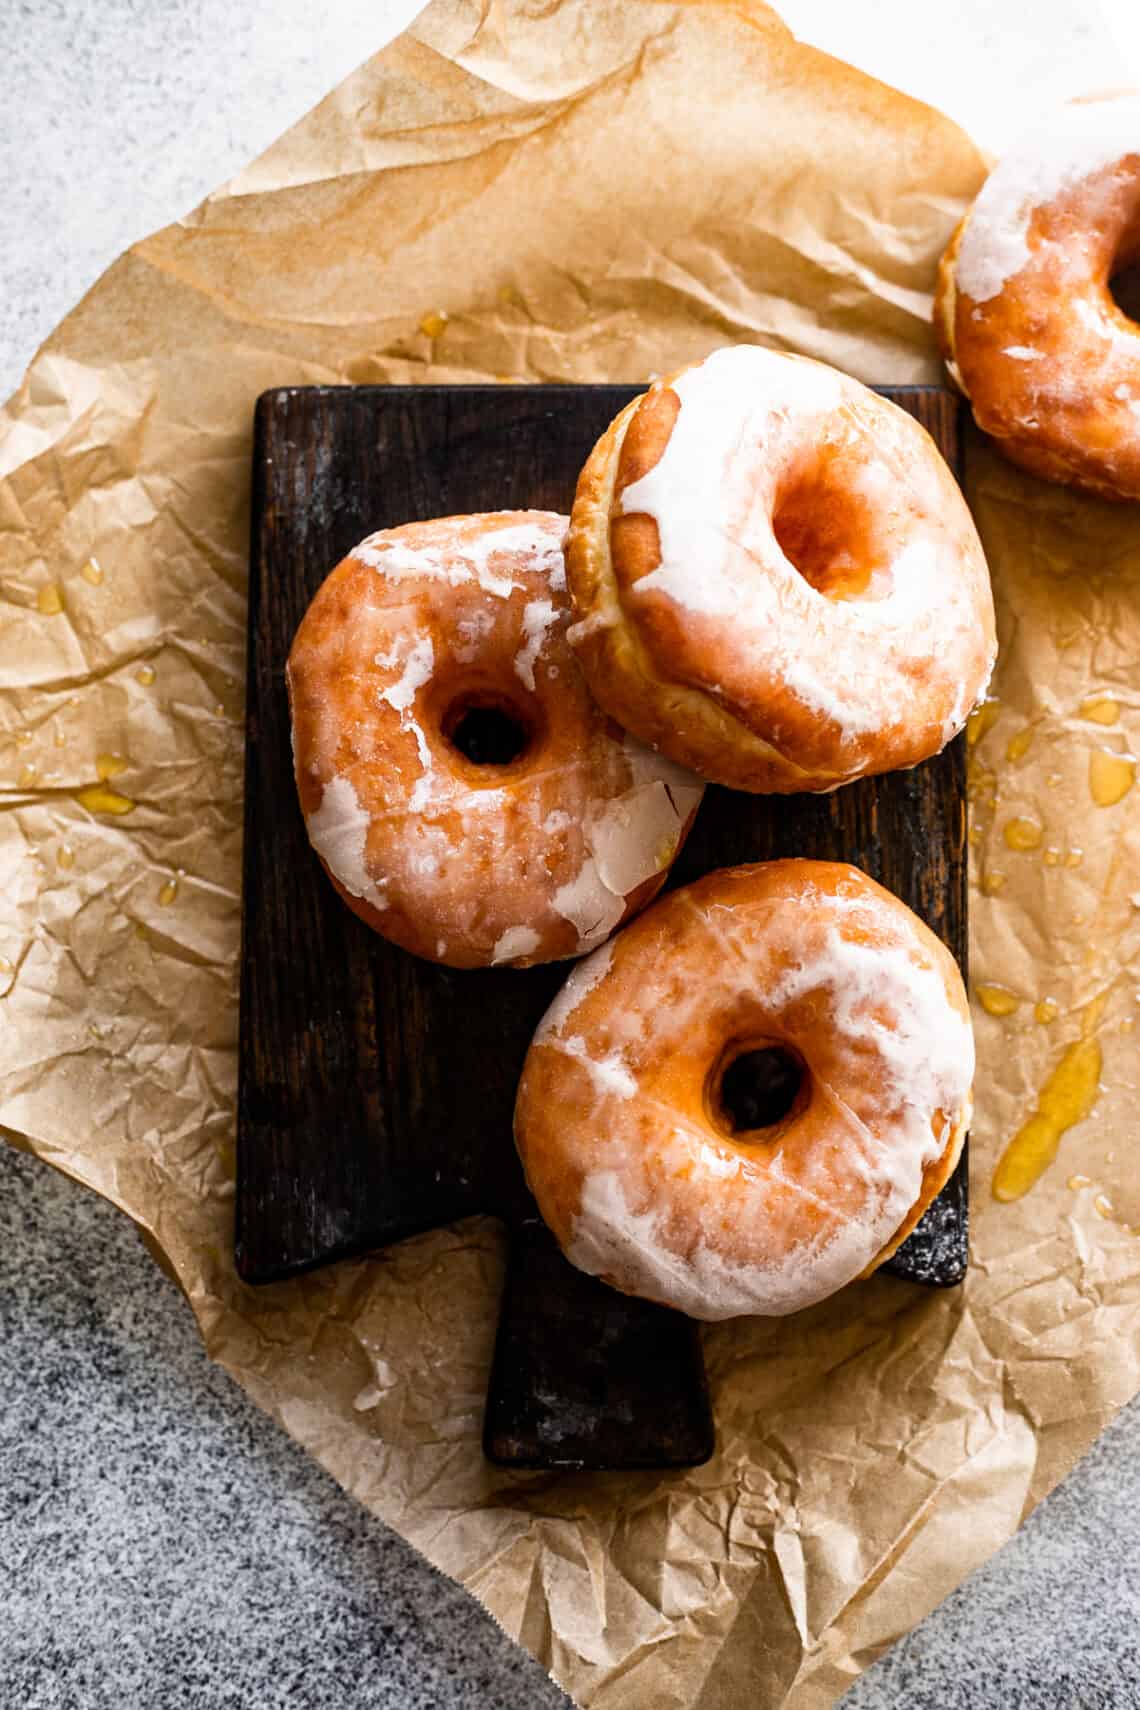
(826, 529)
(489, 729)
(1124, 289)
(757, 1089)
(1124, 273)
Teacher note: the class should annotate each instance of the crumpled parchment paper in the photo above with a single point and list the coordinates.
(578, 190)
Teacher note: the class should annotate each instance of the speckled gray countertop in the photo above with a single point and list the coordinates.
(161, 1542)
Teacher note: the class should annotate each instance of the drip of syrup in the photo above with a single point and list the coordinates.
(997, 1000)
(1018, 746)
(1100, 709)
(1046, 1011)
(97, 798)
(65, 856)
(145, 675)
(983, 718)
(1111, 776)
(433, 323)
(49, 600)
(168, 893)
(992, 883)
(1022, 833)
(1066, 1099)
(92, 573)
(100, 798)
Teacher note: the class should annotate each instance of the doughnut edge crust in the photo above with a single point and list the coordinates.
(614, 659)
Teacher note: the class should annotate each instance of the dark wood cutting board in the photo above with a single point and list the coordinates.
(376, 1091)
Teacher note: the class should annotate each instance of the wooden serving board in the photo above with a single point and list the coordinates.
(376, 1091)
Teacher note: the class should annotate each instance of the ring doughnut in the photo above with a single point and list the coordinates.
(1027, 324)
(464, 793)
(652, 1170)
(775, 577)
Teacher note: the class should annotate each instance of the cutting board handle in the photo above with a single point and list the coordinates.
(584, 1377)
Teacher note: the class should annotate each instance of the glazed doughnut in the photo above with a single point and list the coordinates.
(1027, 325)
(652, 1178)
(466, 796)
(775, 577)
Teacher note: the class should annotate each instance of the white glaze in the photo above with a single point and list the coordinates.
(589, 905)
(539, 616)
(338, 831)
(467, 561)
(608, 1072)
(515, 941)
(581, 980)
(472, 632)
(608, 1234)
(926, 1048)
(417, 670)
(1062, 149)
(627, 840)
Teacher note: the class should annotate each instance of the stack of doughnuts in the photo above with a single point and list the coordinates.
(776, 578)
(502, 729)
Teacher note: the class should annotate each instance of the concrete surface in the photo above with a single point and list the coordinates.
(161, 1542)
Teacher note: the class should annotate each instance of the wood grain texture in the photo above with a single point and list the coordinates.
(376, 1091)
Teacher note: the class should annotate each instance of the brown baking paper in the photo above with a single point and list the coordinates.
(584, 190)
